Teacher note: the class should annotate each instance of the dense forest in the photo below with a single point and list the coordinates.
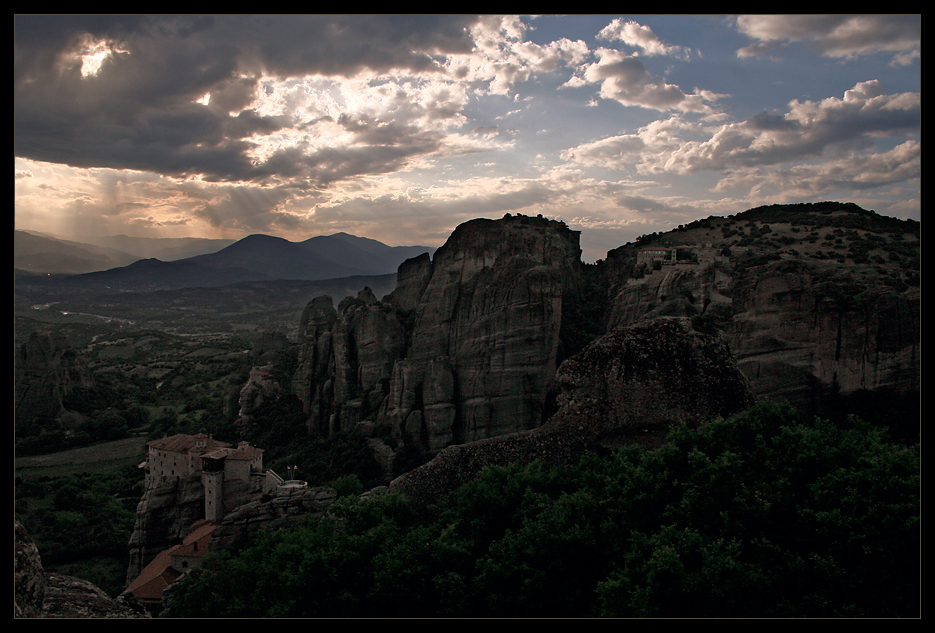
(762, 514)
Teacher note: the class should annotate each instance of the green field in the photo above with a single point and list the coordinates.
(108, 457)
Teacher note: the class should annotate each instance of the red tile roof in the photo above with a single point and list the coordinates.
(181, 443)
(159, 573)
(154, 578)
(246, 453)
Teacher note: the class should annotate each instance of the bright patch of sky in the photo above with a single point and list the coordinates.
(400, 127)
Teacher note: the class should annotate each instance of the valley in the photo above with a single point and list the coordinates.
(500, 349)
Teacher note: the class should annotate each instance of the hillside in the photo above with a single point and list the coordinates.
(43, 254)
(819, 302)
(834, 233)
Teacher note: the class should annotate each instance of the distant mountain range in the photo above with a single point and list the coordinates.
(253, 258)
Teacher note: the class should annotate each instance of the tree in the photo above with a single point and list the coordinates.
(758, 515)
(763, 515)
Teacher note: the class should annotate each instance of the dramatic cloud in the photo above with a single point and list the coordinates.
(846, 36)
(807, 130)
(398, 127)
(624, 78)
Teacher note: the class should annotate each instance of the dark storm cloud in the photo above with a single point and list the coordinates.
(140, 111)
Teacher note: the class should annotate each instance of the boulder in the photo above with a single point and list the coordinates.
(39, 594)
(282, 508)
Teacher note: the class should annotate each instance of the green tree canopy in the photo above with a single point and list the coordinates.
(757, 515)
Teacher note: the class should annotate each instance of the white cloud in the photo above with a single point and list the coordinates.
(815, 148)
(846, 175)
(841, 36)
(807, 130)
(639, 36)
(624, 78)
(502, 58)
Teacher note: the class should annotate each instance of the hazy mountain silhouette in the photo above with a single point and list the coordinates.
(164, 248)
(41, 253)
(254, 258)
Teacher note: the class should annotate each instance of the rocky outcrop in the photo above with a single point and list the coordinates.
(260, 388)
(796, 328)
(627, 387)
(646, 377)
(168, 509)
(465, 348)
(28, 575)
(164, 516)
(284, 507)
(39, 594)
(802, 330)
(46, 369)
(313, 380)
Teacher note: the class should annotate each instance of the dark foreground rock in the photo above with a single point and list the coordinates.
(39, 594)
(628, 387)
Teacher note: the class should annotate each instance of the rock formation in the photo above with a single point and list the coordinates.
(259, 388)
(627, 387)
(164, 515)
(795, 326)
(465, 348)
(838, 314)
(283, 507)
(39, 594)
(172, 504)
(46, 369)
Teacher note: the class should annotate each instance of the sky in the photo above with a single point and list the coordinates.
(401, 127)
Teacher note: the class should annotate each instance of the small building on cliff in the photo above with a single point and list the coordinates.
(231, 474)
(221, 466)
(656, 253)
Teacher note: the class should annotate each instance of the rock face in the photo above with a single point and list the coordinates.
(46, 369)
(465, 348)
(28, 575)
(799, 331)
(38, 594)
(284, 507)
(259, 388)
(795, 327)
(820, 303)
(627, 387)
(649, 376)
(164, 516)
(167, 510)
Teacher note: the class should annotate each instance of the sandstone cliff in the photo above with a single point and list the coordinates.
(817, 302)
(167, 510)
(465, 348)
(627, 387)
(46, 369)
(164, 515)
(281, 508)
